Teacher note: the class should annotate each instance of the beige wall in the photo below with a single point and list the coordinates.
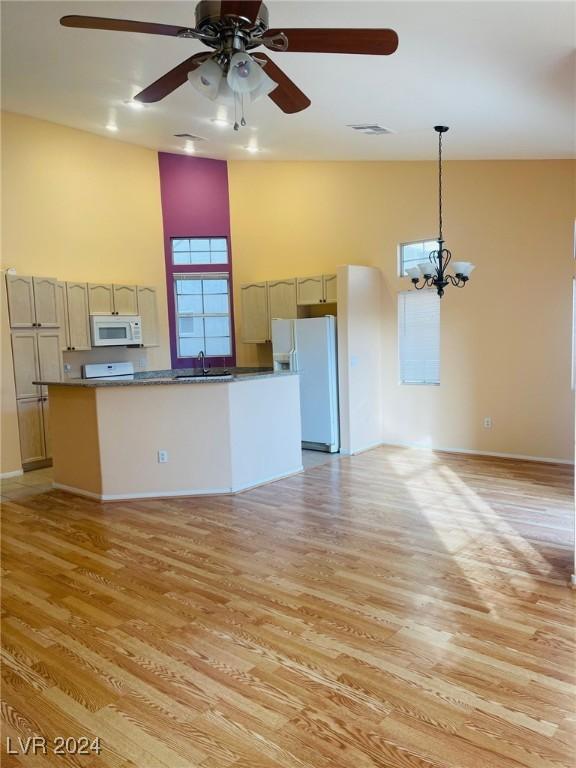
(78, 207)
(506, 338)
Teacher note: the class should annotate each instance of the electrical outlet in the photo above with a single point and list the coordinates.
(67, 367)
(487, 422)
(162, 457)
(141, 363)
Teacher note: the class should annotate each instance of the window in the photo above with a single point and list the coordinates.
(203, 315)
(199, 273)
(199, 250)
(419, 337)
(412, 254)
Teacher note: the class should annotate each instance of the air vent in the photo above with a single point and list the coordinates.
(371, 129)
(189, 136)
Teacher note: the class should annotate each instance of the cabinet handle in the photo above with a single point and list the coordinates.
(39, 325)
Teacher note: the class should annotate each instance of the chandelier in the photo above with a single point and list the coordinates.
(434, 272)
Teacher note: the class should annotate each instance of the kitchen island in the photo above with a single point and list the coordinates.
(156, 435)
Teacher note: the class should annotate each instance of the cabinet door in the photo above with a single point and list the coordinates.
(330, 289)
(78, 319)
(49, 357)
(31, 429)
(255, 323)
(46, 426)
(310, 290)
(282, 299)
(45, 301)
(26, 369)
(148, 312)
(125, 300)
(20, 292)
(62, 309)
(100, 299)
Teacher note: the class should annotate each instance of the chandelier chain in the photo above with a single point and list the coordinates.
(440, 183)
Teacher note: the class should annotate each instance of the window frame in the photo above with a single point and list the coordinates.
(423, 383)
(196, 270)
(399, 262)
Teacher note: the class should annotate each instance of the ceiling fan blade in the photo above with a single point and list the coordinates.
(378, 42)
(287, 96)
(246, 9)
(171, 80)
(121, 25)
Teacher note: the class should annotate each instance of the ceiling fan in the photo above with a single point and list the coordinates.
(232, 28)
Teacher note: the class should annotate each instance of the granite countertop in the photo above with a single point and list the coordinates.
(148, 378)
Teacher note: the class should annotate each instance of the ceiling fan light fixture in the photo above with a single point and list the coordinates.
(207, 78)
(265, 87)
(244, 74)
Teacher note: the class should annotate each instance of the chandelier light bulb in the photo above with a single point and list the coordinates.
(244, 74)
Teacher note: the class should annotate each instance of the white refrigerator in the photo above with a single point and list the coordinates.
(308, 346)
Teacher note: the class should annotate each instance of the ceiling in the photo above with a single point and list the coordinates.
(500, 74)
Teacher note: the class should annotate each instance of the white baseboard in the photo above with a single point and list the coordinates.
(171, 494)
(14, 473)
(471, 452)
(573, 581)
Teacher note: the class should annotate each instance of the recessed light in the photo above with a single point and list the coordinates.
(220, 122)
(189, 148)
(112, 127)
(252, 149)
(133, 104)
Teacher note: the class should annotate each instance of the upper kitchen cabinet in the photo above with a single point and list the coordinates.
(106, 299)
(148, 311)
(255, 318)
(320, 289)
(32, 301)
(100, 299)
(62, 308)
(78, 317)
(330, 289)
(310, 290)
(125, 299)
(282, 301)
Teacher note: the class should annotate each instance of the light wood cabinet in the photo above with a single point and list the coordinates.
(31, 428)
(20, 292)
(78, 316)
(62, 308)
(148, 311)
(49, 357)
(46, 426)
(106, 299)
(26, 366)
(282, 299)
(255, 319)
(100, 299)
(330, 288)
(125, 300)
(32, 301)
(310, 290)
(45, 301)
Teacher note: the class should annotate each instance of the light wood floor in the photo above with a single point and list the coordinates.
(398, 609)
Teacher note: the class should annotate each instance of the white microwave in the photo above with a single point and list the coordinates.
(115, 330)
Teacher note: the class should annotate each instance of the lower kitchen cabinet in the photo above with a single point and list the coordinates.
(31, 427)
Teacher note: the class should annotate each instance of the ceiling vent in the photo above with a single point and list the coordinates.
(189, 136)
(370, 129)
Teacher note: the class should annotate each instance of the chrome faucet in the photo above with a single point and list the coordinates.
(205, 368)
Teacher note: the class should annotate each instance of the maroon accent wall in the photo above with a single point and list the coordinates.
(195, 203)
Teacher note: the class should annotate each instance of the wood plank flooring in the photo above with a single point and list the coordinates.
(398, 609)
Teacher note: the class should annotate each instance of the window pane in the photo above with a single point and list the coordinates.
(219, 257)
(193, 285)
(218, 346)
(215, 286)
(217, 303)
(180, 245)
(200, 257)
(218, 244)
(412, 254)
(190, 347)
(189, 303)
(419, 337)
(199, 244)
(181, 257)
(191, 326)
(217, 326)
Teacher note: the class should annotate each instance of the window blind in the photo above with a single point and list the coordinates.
(419, 337)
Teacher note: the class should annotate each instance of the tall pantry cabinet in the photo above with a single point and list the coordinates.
(33, 305)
